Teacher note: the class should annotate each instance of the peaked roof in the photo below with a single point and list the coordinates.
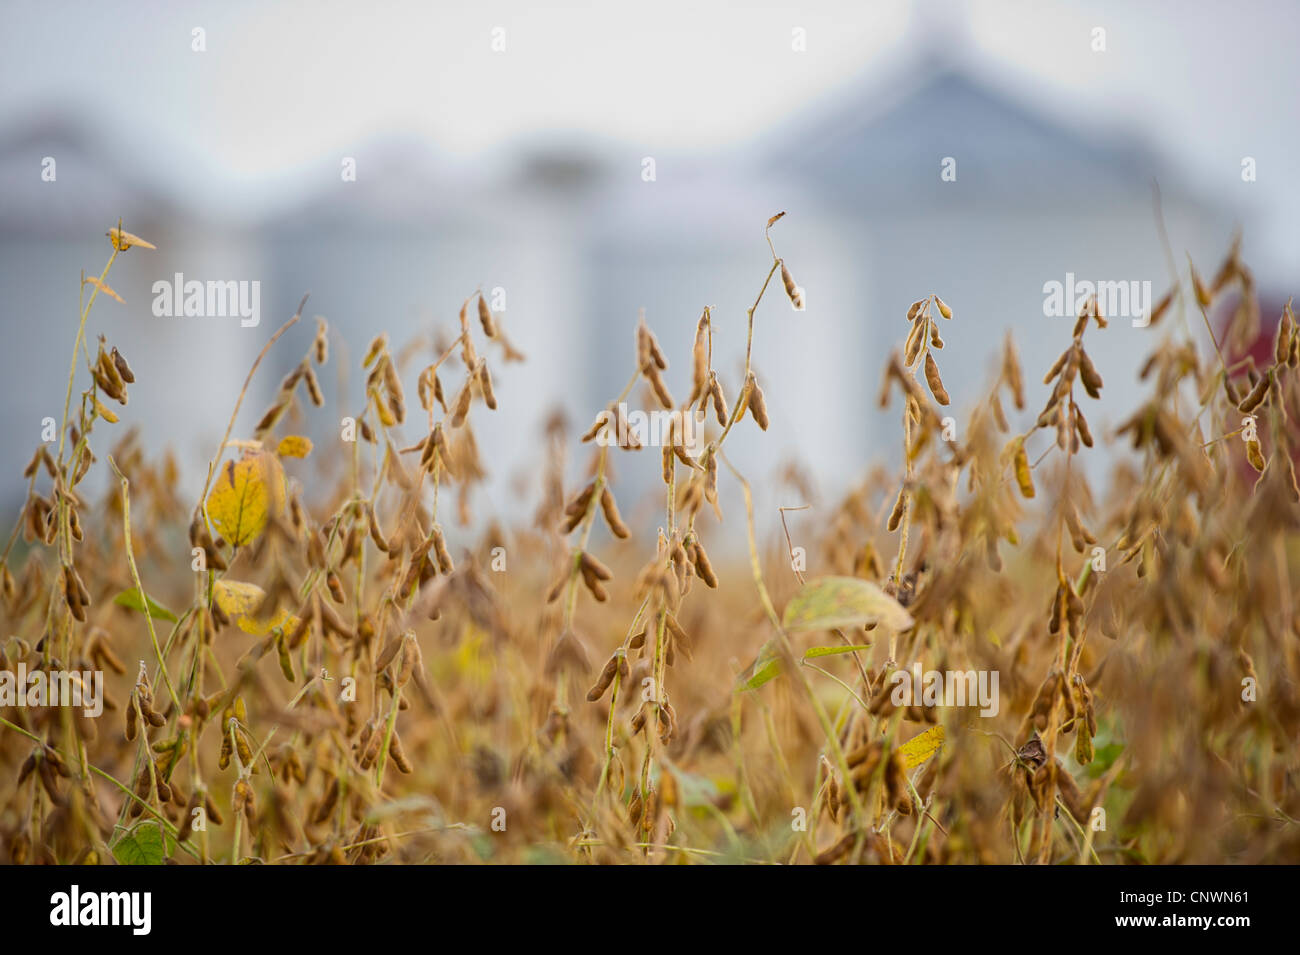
(879, 155)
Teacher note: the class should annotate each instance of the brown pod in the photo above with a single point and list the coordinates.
(934, 381)
(213, 812)
(610, 509)
(485, 383)
(702, 566)
(719, 400)
(123, 369)
(463, 399)
(321, 344)
(757, 406)
(1089, 375)
(792, 290)
(485, 318)
(398, 755)
(912, 347)
(131, 723)
(376, 533)
(1257, 394)
(606, 677)
(440, 552)
(896, 515)
(335, 585)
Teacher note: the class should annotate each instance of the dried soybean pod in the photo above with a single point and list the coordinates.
(702, 566)
(245, 800)
(313, 388)
(376, 533)
(463, 399)
(1012, 373)
(321, 344)
(896, 515)
(485, 383)
(1257, 394)
(757, 406)
(912, 347)
(605, 679)
(719, 400)
(1081, 425)
(123, 369)
(700, 359)
(610, 509)
(592, 565)
(934, 381)
(398, 755)
(410, 659)
(485, 318)
(792, 290)
(213, 812)
(1255, 455)
(441, 553)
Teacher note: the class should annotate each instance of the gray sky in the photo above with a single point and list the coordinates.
(284, 85)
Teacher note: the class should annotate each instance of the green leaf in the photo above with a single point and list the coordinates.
(829, 603)
(766, 667)
(1104, 758)
(130, 598)
(142, 845)
(813, 652)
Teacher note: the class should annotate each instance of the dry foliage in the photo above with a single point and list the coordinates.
(338, 688)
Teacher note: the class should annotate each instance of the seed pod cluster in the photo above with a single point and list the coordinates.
(111, 373)
(652, 363)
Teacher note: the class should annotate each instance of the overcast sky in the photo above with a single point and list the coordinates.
(284, 84)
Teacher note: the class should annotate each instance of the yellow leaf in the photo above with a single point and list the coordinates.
(293, 446)
(470, 659)
(123, 240)
(920, 748)
(89, 280)
(236, 598)
(285, 621)
(246, 494)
